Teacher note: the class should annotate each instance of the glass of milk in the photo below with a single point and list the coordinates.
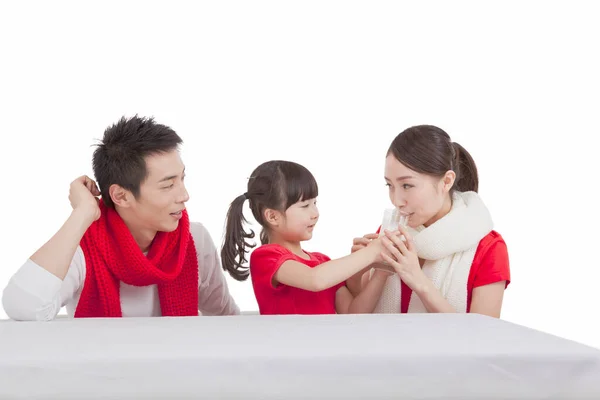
(392, 219)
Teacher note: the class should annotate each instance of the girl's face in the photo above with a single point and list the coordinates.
(299, 221)
(422, 198)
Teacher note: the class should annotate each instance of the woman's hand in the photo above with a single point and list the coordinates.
(404, 258)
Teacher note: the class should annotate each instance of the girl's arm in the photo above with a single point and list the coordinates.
(323, 276)
(366, 300)
(355, 282)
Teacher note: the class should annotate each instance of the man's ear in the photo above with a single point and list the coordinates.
(120, 196)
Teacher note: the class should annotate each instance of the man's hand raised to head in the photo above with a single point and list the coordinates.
(83, 195)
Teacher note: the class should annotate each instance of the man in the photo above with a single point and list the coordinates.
(132, 253)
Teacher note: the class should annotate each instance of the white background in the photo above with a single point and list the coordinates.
(329, 85)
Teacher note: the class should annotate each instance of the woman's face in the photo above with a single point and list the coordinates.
(422, 198)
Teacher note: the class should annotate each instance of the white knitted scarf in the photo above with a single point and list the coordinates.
(448, 247)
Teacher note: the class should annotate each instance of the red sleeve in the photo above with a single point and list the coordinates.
(265, 261)
(321, 257)
(491, 261)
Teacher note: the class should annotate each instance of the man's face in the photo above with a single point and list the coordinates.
(162, 195)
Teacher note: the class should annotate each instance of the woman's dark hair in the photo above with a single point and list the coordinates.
(429, 150)
(273, 185)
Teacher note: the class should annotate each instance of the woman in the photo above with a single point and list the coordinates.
(451, 260)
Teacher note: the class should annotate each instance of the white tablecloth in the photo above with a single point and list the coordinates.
(458, 356)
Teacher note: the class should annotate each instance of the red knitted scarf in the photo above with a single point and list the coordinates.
(112, 255)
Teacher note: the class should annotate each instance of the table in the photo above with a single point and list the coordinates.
(411, 356)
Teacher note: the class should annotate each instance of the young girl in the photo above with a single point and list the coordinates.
(287, 279)
(452, 260)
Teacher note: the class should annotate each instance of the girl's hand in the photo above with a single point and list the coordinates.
(362, 242)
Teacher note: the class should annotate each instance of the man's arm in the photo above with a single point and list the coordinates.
(213, 294)
(34, 294)
(56, 254)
